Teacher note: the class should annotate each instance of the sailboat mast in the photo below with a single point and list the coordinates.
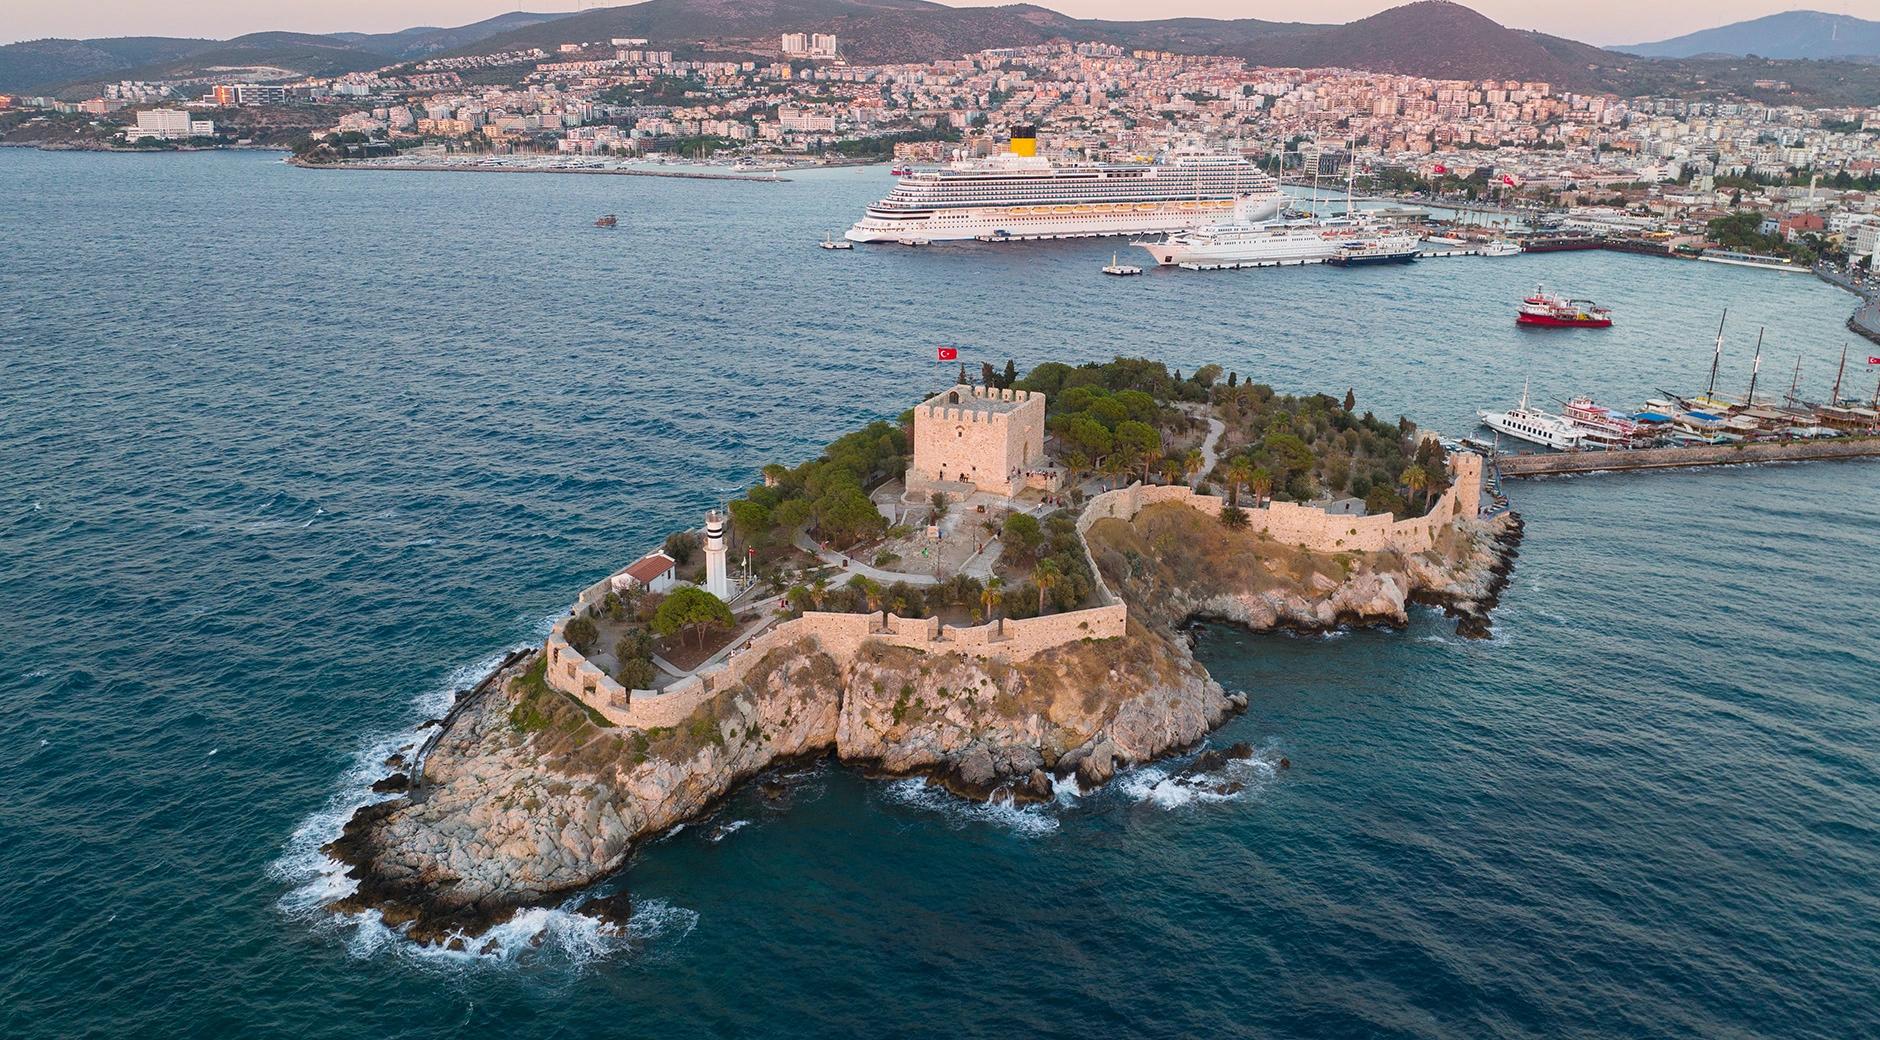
(1794, 381)
(1717, 355)
(1754, 371)
(1351, 175)
(1834, 398)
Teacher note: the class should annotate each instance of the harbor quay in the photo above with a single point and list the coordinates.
(1541, 464)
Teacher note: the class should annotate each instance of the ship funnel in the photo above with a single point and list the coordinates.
(1025, 140)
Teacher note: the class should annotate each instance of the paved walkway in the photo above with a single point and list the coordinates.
(1210, 453)
(854, 566)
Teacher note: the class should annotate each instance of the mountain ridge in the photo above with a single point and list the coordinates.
(1805, 35)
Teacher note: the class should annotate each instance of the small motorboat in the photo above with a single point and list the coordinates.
(607, 221)
(832, 242)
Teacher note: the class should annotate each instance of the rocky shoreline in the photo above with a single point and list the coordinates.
(494, 816)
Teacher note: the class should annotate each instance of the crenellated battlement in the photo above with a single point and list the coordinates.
(982, 436)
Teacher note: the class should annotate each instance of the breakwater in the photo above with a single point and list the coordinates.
(690, 175)
(1540, 465)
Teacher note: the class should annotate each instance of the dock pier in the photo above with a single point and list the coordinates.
(1542, 464)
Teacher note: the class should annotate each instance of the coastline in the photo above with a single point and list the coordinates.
(460, 168)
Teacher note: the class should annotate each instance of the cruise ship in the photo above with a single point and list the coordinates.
(1020, 195)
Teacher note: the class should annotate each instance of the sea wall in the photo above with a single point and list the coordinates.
(1309, 527)
(1543, 464)
(840, 635)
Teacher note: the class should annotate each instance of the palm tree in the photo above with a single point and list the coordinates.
(1192, 463)
(1045, 575)
(1238, 473)
(1415, 479)
(816, 590)
(989, 596)
(1172, 470)
(1115, 464)
(1262, 482)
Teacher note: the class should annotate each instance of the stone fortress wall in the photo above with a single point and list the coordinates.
(840, 635)
(987, 438)
(1011, 640)
(1311, 528)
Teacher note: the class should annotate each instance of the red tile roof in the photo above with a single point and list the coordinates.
(649, 567)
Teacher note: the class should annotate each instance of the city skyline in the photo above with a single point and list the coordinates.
(1600, 22)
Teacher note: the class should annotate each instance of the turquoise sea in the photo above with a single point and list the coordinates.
(287, 456)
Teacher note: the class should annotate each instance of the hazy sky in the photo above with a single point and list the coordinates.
(1594, 21)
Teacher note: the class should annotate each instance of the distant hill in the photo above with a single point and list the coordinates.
(1791, 34)
(423, 42)
(1431, 37)
(48, 65)
(44, 64)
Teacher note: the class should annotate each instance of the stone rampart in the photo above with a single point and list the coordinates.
(1309, 527)
(839, 635)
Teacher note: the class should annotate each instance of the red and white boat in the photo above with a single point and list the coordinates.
(900, 170)
(1548, 310)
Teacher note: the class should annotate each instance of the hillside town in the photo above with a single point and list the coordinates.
(1812, 176)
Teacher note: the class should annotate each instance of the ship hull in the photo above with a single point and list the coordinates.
(1548, 321)
(1000, 224)
(1365, 261)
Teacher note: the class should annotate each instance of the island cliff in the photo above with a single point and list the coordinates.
(545, 777)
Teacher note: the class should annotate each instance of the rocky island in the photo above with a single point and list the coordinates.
(991, 593)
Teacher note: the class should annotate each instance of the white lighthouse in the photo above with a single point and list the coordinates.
(717, 578)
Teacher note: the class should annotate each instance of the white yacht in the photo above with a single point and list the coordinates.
(1535, 426)
(1261, 243)
(1020, 195)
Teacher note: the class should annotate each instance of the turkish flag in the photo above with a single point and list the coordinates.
(946, 353)
(1873, 361)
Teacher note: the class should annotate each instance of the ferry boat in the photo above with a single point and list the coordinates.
(1385, 247)
(1502, 247)
(1535, 426)
(900, 170)
(1020, 195)
(1547, 310)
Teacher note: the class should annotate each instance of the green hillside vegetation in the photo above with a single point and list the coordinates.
(830, 494)
(1279, 446)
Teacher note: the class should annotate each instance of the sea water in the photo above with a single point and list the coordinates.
(290, 455)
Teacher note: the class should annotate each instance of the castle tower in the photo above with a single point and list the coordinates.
(717, 578)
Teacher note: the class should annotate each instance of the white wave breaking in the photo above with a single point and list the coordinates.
(1000, 811)
(1167, 787)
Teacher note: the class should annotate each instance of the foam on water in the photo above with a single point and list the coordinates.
(317, 878)
(559, 932)
(726, 830)
(1164, 785)
(999, 810)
